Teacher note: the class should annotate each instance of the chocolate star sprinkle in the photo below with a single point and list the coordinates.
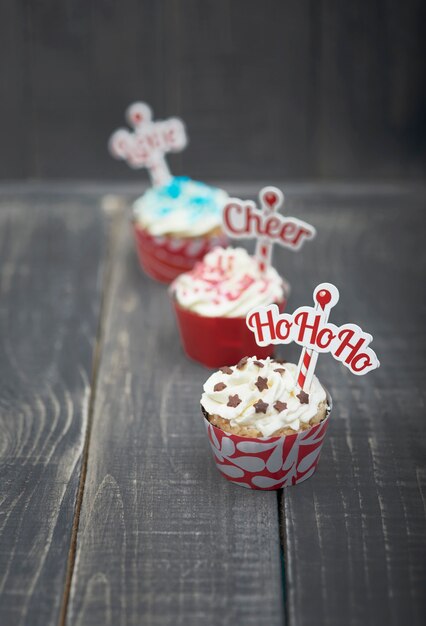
(280, 406)
(234, 401)
(260, 406)
(258, 363)
(241, 363)
(226, 370)
(280, 370)
(303, 397)
(219, 387)
(261, 383)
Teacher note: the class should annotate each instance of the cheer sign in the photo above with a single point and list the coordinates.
(149, 142)
(308, 326)
(241, 218)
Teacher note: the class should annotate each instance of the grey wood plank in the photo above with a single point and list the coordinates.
(52, 255)
(112, 54)
(17, 149)
(368, 66)
(355, 534)
(315, 88)
(163, 539)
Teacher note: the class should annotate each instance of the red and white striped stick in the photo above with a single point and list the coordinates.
(271, 198)
(325, 297)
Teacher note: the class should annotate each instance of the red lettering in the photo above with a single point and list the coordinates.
(169, 137)
(272, 226)
(360, 362)
(152, 140)
(345, 335)
(253, 223)
(242, 218)
(287, 326)
(121, 144)
(304, 327)
(230, 217)
(302, 232)
(141, 149)
(307, 327)
(254, 322)
(287, 232)
(325, 337)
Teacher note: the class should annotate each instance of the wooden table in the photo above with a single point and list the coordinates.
(111, 510)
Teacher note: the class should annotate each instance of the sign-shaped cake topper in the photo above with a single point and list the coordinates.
(149, 141)
(241, 218)
(308, 326)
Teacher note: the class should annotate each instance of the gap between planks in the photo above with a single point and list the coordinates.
(283, 555)
(116, 217)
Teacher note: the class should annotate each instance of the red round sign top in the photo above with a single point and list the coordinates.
(271, 199)
(323, 297)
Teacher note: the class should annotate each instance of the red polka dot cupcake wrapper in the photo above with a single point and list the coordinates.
(164, 258)
(267, 463)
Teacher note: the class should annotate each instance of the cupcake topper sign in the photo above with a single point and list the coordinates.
(308, 326)
(149, 141)
(241, 218)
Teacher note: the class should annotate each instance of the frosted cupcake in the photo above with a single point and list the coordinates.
(212, 300)
(260, 398)
(178, 220)
(176, 225)
(264, 430)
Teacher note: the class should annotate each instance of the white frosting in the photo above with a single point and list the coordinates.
(228, 283)
(183, 207)
(280, 386)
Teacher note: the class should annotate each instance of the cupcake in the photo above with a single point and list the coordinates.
(176, 224)
(265, 432)
(211, 302)
(178, 220)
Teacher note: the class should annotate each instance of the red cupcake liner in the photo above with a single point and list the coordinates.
(163, 258)
(267, 463)
(218, 341)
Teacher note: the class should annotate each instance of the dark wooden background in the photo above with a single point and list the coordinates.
(269, 89)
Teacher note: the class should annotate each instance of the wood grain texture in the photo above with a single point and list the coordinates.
(308, 89)
(355, 534)
(163, 538)
(51, 262)
(368, 87)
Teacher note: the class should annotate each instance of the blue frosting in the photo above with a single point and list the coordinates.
(194, 201)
